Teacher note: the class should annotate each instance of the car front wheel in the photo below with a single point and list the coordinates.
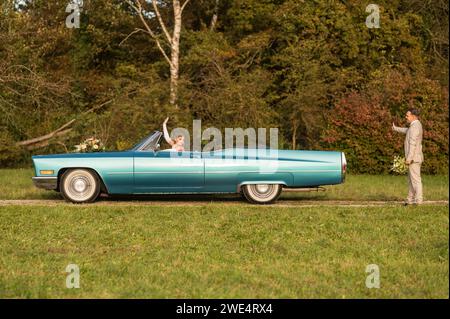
(80, 186)
(262, 193)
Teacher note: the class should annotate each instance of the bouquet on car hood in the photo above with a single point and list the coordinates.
(91, 144)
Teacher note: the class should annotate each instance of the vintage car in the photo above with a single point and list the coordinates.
(258, 175)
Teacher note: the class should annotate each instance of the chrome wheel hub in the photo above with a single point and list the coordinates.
(262, 188)
(79, 185)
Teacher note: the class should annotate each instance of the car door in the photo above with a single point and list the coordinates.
(222, 169)
(168, 172)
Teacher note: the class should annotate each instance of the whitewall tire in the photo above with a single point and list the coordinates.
(80, 186)
(262, 193)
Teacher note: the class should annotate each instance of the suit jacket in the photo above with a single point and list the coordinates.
(413, 141)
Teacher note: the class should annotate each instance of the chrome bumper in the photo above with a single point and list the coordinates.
(45, 182)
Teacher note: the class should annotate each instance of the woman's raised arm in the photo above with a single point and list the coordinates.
(166, 133)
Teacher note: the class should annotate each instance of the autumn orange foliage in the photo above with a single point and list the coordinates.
(360, 123)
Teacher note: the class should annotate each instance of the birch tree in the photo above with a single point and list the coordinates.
(170, 37)
(215, 15)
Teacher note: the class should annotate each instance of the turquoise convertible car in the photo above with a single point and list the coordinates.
(259, 175)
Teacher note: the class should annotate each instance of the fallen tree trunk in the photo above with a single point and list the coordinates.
(46, 142)
(43, 140)
(57, 132)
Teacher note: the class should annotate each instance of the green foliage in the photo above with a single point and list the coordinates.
(274, 63)
(360, 124)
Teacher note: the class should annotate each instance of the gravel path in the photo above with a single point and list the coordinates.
(203, 202)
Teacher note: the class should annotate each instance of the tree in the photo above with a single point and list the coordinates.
(241, 63)
(360, 122)
(173, 40)
(215, 16)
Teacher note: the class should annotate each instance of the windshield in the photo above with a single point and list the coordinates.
(148, 143)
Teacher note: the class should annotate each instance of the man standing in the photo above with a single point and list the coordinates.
(413, 155)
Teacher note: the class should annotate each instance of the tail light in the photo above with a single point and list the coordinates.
(344, 165)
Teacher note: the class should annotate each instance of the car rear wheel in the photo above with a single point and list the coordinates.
(80, 186)
(262, 193)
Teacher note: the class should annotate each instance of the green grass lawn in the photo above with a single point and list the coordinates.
(216, 250)
(17, 184)
(222, 251)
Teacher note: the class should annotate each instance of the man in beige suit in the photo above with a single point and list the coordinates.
(413, 155)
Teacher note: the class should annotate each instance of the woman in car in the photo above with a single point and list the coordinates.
(177, 143)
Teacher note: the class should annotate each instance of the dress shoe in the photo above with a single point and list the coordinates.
(407, 204)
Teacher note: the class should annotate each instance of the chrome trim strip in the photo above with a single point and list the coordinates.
(187, 192)
(224, 172)
(119, 173)
(149, 173)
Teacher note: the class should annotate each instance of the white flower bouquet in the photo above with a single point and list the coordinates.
(399, 165)
(91, 144)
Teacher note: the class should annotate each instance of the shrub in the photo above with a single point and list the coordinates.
(360, 123)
